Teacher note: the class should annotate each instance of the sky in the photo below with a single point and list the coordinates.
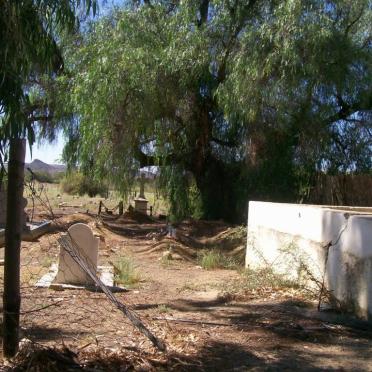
(50, 153)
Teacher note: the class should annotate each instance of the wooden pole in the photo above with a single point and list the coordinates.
(121, 208)
(13, 234)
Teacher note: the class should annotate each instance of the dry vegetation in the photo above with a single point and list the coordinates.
(190, 288)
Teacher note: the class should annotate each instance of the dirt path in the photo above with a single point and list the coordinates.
(264, 332)
(206, 321)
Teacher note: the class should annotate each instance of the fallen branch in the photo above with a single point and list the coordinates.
(202, 322)
(41, 308)
(191, 321)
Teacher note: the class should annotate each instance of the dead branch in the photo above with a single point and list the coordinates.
(41, 308)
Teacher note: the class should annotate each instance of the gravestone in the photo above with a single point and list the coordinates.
(142, 187)
(86, 244)
(140, 203)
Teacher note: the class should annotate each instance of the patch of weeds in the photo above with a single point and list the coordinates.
(125, 272)
(46, 262)
(166, 261)
(210, 260)
(163, 309)
(266, 278)
(238, 233)
(213, 259)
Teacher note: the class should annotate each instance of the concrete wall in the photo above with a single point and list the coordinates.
(330, 242)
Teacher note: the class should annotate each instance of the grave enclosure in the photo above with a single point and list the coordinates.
(140, 203)
(69, 273)
(31, 231)
(334, 243)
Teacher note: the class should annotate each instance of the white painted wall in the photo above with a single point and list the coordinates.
(284, 235)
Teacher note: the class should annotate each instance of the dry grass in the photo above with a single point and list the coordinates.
(54, 194)
(266, 278)
(126, 273)
(214, 259)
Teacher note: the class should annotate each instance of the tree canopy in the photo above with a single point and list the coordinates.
(29, 49)
(245, 98)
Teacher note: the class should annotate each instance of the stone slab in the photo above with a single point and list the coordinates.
(105, 273)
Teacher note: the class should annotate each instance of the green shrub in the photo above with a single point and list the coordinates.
(266, 278)
(213, 259)
(76, 183)
(71, 183)
(58, 177)
(125, 272)
(196, 203)
(166, 261)
(40, 176)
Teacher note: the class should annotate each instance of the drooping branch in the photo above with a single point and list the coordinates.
(345, 110)
(203, 9)
(224, 142)
(235, 29)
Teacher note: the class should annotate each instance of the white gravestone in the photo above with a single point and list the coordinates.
(86, 244)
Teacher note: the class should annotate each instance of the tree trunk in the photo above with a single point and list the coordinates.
(13, 233)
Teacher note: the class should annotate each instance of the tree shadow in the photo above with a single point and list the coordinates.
(43, 333)
(230, 356)
(135, 230)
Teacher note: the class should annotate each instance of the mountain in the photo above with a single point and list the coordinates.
(39, 166)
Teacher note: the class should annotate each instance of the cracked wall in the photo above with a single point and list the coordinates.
(335, 244)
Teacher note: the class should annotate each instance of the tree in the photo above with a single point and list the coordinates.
(249, 97)
(28, 49)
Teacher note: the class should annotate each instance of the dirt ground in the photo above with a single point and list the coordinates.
(207, 318)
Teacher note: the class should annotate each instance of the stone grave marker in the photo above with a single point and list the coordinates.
(140, 203)
(69, 272)
(142, 187)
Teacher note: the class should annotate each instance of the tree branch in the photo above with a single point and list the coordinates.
(203, 9)
(221, 74)
(354, 21)
(224, 143)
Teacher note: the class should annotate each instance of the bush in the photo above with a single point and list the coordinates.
(125, 272)
(71, 183)
(213, 259)
(266, 278)
(40, 176)
(77, 183)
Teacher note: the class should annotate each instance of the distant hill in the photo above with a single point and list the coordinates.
(39, 166)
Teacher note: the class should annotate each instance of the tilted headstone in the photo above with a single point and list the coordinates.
(86, 246)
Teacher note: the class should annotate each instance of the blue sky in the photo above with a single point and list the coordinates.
(47, 152)
(51, 152)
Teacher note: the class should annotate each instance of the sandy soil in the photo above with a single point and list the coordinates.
(207, 321)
